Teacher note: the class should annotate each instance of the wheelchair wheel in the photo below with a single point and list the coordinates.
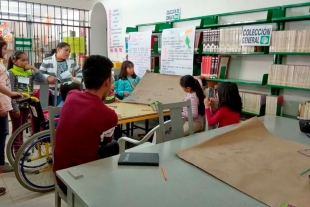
(15, 142)
(34, 171)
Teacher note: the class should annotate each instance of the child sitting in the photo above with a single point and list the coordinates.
(127, 79)
(65, 88)
(196, 96)
(111, 98)
(229, 104)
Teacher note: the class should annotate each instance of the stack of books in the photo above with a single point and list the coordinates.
(304, 110)
(215, 67)
(252, 102)
(289, 75)
(290, 41)
(274, 105)
(226, 40)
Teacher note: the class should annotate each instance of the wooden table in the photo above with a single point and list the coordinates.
(128, 113)
(104, 183)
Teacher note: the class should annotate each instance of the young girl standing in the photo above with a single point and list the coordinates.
(230, 106)
(195, 94)
(5, 107)
(127, 80)
(22, 75)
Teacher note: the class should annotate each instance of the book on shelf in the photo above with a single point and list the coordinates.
(304, 110)
(274, 105)
(289, 75)
(290, 41)
(154, 43)
(215, 67)
(252, 102)
(198, 40)
(155, 64)
(227, 40)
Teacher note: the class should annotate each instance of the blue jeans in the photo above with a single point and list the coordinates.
(4, 131)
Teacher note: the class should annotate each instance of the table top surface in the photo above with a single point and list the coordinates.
(106, 183)
(130, 110)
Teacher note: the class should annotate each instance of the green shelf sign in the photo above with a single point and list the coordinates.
(23, 43)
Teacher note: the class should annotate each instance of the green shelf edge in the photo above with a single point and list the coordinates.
(292, 18)
(241, 82)
(289, 116)
(249, 113)
(288, 87)
(231, 53)
(289, 53)
(264, 21)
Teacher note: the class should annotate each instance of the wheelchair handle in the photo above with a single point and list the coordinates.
(23, 100)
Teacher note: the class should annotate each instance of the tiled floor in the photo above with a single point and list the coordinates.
(18, 196)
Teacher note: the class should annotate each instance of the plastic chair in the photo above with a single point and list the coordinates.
(52, 112)
(176, 118)
(157, 138)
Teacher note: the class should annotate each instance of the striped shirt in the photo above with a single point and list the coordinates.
(50, 67)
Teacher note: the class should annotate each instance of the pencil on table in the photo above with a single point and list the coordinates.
(164, 173)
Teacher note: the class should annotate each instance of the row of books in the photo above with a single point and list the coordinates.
(290, 41)
(274, 105)
(215, 67)
(252, 102)
(226, 40)
(289, 75)
(304, 110)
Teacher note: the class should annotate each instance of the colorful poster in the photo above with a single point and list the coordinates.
(115, 30)
(177, 51)
(139, 51)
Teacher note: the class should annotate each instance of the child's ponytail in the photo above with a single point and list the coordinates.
(201, 96)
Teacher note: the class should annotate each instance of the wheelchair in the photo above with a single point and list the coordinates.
(34, 160)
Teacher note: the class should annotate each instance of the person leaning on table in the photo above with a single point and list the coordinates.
(14, 95)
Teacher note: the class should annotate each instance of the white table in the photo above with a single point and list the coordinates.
(104, 183)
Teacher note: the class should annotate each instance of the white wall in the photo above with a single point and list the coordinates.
(243, 67)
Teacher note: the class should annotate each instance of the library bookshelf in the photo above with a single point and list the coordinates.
(277, 16)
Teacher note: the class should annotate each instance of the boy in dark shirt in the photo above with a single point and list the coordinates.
(84, 118)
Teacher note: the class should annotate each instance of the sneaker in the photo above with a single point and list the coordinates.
(2, 191)
(6, 168)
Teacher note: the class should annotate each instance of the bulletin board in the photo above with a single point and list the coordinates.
(253, 160)
(157, 87)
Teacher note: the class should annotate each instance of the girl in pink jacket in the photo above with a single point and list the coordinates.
(5, 107)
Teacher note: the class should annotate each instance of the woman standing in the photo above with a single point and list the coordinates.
(58, 68)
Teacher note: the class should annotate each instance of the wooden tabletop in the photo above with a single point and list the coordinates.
(128, 112)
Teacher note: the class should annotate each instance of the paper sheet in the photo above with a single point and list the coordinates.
(256, 162)
(157, 87)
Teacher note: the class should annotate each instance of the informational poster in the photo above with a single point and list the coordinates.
(256, 35)
(177, 51)
(139, 51)
(115, 30)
